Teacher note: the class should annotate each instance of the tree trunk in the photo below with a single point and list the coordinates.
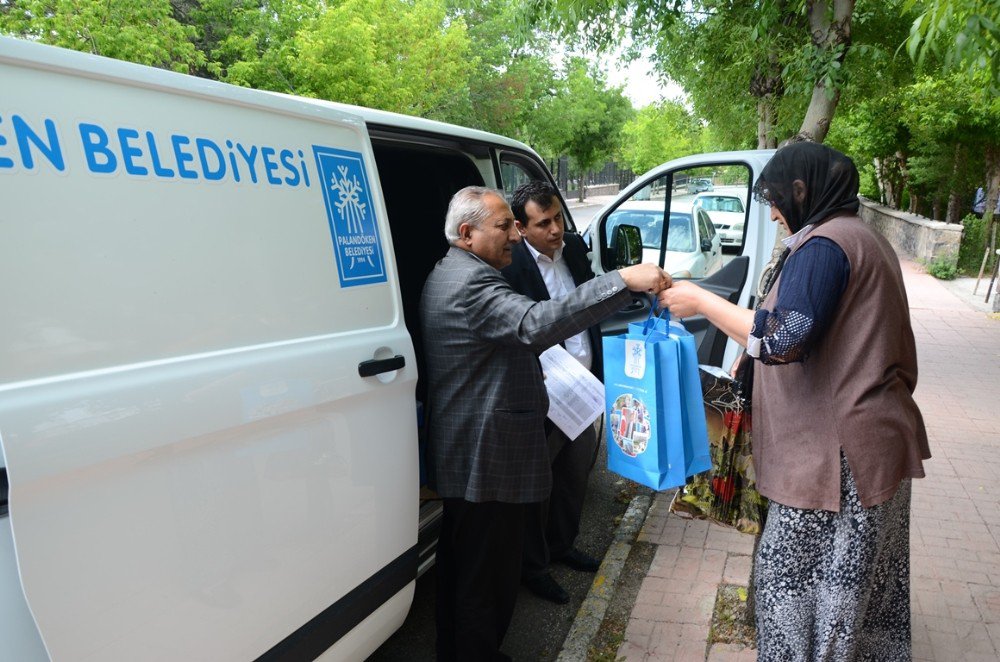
(954, 213)
(832, 38)
(767, 86)
(765, 124)
(889, 172)
(884, 185)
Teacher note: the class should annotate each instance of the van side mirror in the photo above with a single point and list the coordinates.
(626, 246)
(706, 245)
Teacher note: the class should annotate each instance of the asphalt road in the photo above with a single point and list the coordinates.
(538, 627)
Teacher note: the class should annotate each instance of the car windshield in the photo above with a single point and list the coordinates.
(650, 224)
(721, 203)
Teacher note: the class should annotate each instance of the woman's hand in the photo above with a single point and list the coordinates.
(683, 298)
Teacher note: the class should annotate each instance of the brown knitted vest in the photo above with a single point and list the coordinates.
(853, 391)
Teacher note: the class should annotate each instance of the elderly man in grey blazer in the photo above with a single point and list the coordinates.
(487, 409)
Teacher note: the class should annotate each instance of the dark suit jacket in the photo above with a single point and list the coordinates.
(524, 276)
(486, 396)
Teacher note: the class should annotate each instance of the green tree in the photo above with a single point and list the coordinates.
(513, 71)
(945, 132)
(657, 133)
(393, 55)
(134, 30)
(250, 42)
(584, 118)
(965, 33)
(869, 123)
(754, 53)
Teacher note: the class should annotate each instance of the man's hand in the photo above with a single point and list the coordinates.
(645, 278)
(684, 299)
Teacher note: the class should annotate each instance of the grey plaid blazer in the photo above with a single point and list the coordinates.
(486, 397)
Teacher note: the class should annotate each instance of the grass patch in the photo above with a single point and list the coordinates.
(609, 639)
(731, 618)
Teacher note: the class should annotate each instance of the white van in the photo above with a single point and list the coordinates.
(209, 389)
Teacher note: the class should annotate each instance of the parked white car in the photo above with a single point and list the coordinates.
(693, 246)
(727, 212)
(659, 190)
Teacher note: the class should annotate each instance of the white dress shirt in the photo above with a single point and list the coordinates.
(559, 283)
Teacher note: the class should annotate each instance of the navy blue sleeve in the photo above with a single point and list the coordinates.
(809, 290)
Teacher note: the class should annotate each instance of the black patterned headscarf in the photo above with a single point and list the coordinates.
(809, 183)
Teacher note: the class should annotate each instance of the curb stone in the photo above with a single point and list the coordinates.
(591, 613)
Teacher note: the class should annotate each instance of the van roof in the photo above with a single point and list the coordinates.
(413, 123)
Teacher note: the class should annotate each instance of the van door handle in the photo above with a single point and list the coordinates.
(378, 366)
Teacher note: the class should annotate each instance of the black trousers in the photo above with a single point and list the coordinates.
(551, 526)
(478, 576)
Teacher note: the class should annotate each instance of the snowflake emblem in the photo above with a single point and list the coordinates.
(635, 359)
(349, 205)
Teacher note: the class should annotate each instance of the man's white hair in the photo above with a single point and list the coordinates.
(467, 206)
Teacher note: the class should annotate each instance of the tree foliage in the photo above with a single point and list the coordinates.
(142, 31)
(513, 70)
(755, 54)
(250, 42)
(657, 133)
(965, 34)
(584, 117)
(390, 54)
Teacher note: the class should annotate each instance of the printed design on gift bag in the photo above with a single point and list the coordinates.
(635, 359)
(630, 424)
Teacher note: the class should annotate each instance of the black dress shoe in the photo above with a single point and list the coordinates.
(545, 587)
(580, 561)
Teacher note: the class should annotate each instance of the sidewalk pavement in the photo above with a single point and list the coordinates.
(955, 521)
(590, 201)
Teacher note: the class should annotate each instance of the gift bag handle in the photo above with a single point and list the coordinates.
(654, 316)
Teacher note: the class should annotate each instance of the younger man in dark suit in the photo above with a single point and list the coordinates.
(548, 264)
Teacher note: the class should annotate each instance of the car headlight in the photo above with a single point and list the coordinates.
(738, 227)
(681, 274)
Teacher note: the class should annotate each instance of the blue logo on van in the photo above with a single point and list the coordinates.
(351, 213)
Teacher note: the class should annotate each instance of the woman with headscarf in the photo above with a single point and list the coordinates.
(837, 434)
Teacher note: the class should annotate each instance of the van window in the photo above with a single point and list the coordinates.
(517, 169)
(513, 175)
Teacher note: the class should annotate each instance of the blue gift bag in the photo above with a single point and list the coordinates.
(656, 428)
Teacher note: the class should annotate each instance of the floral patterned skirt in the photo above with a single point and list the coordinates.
(835, 586)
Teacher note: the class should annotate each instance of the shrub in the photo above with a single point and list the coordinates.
(970, 253)
(943, 267)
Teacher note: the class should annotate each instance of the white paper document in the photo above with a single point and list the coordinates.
(576, 397)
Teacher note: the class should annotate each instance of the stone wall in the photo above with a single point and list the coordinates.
(914, 236)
